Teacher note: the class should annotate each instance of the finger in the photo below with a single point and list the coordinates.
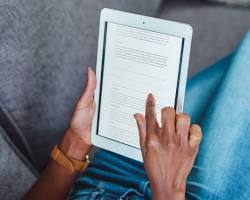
(151, 121)
(168, 122)
(183, 122)
(89, 91)
(141, 123)
(195, 137)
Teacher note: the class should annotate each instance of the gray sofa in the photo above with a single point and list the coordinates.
(45, 48)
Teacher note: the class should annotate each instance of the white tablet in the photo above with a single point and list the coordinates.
(136, 55)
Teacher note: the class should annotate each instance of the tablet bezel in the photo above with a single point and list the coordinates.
(147, 23)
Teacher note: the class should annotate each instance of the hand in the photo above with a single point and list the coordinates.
(76, 142)
(81, 121)
(56, 181)
(168, 151)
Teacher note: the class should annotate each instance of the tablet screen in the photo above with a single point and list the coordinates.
(135, 62)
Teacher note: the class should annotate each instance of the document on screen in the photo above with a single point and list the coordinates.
(136, 62)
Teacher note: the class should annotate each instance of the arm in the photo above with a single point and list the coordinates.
(56, 181)
(168, 151)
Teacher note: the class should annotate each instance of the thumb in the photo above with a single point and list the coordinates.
(89, 91)
(141, 123)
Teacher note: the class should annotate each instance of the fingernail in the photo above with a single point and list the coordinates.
(150, 97)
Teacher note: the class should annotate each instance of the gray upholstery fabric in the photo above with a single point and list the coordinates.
(217, 29)
(234, 2)
(45, 48)
(15, 177)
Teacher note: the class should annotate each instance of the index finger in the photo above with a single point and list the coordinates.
(151, 121)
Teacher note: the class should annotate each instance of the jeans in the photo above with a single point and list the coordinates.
(218, 99)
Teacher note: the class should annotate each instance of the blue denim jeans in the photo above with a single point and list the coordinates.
(218, 99)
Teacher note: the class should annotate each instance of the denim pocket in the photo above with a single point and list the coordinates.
(104, 191)
(133, 194)
(89, 194)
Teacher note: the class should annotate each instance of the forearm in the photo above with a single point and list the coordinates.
(56, 181)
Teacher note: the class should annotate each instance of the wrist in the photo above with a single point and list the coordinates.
(73, 146)
(163, 192)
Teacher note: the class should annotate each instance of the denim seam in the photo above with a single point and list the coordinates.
(141, 194)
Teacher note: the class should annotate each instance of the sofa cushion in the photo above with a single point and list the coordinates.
(16, 175)
(217, 29)
(233, 2)
(45, 49)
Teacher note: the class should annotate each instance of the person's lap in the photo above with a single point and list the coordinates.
(217, 99)
(221, 168)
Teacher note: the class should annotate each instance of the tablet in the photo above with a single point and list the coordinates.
(136, 55)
